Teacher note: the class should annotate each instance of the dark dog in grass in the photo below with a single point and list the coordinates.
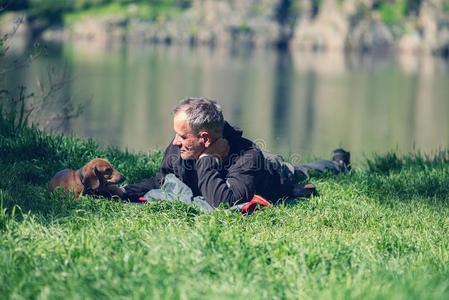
(97, 177)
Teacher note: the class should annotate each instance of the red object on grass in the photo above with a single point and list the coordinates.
(253, 203)
(142, 199)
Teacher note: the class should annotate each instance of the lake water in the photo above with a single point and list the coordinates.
(301, 105)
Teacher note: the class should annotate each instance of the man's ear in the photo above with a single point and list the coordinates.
(206, 137)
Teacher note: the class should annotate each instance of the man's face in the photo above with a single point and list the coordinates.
(190, 144)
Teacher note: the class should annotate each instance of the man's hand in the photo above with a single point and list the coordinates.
(113, 190)
(220, 148)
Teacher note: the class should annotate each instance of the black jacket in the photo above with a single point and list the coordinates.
(234, 180)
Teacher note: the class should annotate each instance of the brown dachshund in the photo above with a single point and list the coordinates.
(94, 178)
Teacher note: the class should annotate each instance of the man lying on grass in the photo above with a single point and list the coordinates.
(216, 163)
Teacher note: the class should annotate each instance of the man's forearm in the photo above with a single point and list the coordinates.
(136, 190)
(214, 188)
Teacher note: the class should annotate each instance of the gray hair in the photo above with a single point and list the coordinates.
(202, 113)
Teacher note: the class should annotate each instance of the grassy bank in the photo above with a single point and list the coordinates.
(142, 11)
(66, 11)
(380, 232)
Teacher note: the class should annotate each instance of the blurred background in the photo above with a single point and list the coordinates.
(301, 77)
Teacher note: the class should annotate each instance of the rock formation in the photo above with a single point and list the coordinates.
(297, 24)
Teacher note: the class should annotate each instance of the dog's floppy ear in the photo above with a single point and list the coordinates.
(90, 178)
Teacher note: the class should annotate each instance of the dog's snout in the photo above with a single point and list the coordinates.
(116, 178)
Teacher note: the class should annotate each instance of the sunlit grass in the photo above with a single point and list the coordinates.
(143, 11)
(381, 232)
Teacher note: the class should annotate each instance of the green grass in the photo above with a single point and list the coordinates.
(392, 12)
(143, 11)
(381, 232)
(445, 6)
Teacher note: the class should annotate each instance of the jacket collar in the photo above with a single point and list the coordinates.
(231, 132)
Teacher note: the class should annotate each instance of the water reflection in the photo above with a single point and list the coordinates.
(282, 98)
(299, 104)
